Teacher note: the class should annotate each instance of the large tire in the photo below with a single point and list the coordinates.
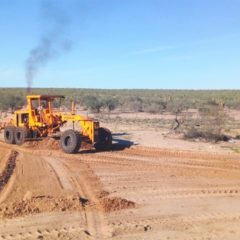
(70, 141)
(104, 142)
(21, 133)
(9, 135)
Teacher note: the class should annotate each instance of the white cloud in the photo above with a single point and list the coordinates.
(211, 40)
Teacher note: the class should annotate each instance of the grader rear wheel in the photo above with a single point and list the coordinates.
(104, 140)
(21, 133)
(9, 135)
(70, 141)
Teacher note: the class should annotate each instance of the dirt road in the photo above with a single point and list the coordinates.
(135, 193)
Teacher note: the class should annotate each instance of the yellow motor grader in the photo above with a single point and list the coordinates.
(40, 120)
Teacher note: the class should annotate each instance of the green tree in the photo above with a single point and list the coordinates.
(11, 101)
(93, 103)
(111, 103)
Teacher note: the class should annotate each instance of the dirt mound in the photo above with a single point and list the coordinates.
(49, 143)
(38, 204)
(115, 204)
(103, 194)
(8, 171)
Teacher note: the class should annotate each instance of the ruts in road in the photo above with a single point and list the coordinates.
(134, 193)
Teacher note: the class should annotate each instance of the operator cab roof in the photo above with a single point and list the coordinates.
(51, 97)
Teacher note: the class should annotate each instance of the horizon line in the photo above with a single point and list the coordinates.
(148, 89)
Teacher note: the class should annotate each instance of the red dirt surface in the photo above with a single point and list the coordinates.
(133, 193)
(115, 204)
(8, 170)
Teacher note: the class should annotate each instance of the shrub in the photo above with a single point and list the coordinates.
(111, 103)
(11, 101)
(134, 104)
(93, 103)
(210, 126)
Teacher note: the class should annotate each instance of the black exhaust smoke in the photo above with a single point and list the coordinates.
(53, 42)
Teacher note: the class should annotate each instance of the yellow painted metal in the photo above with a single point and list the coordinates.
(88, 125)
(40, 117)
(73, 108)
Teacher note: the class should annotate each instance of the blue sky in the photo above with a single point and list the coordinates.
(173, 44)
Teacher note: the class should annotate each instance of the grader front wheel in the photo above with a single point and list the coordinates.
(104, 140)
(21, 133)
(70, 141)
(9, 135)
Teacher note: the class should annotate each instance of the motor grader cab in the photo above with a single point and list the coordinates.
(40, 120)
(39, 115)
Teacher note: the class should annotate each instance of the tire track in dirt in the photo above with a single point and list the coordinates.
(146, 151)
(140, 174)
(15, 204)
(157, 160)
(4, 159)
(68, 180)
(168, 153)
(60, 225)
(88, 186)
(168, 167)
(168, 220)
(125, 159)
(133, 166)
(61, 174)
(187, 193)
(137, 163)
(157, 157)
(169, 223)
(9, 169)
